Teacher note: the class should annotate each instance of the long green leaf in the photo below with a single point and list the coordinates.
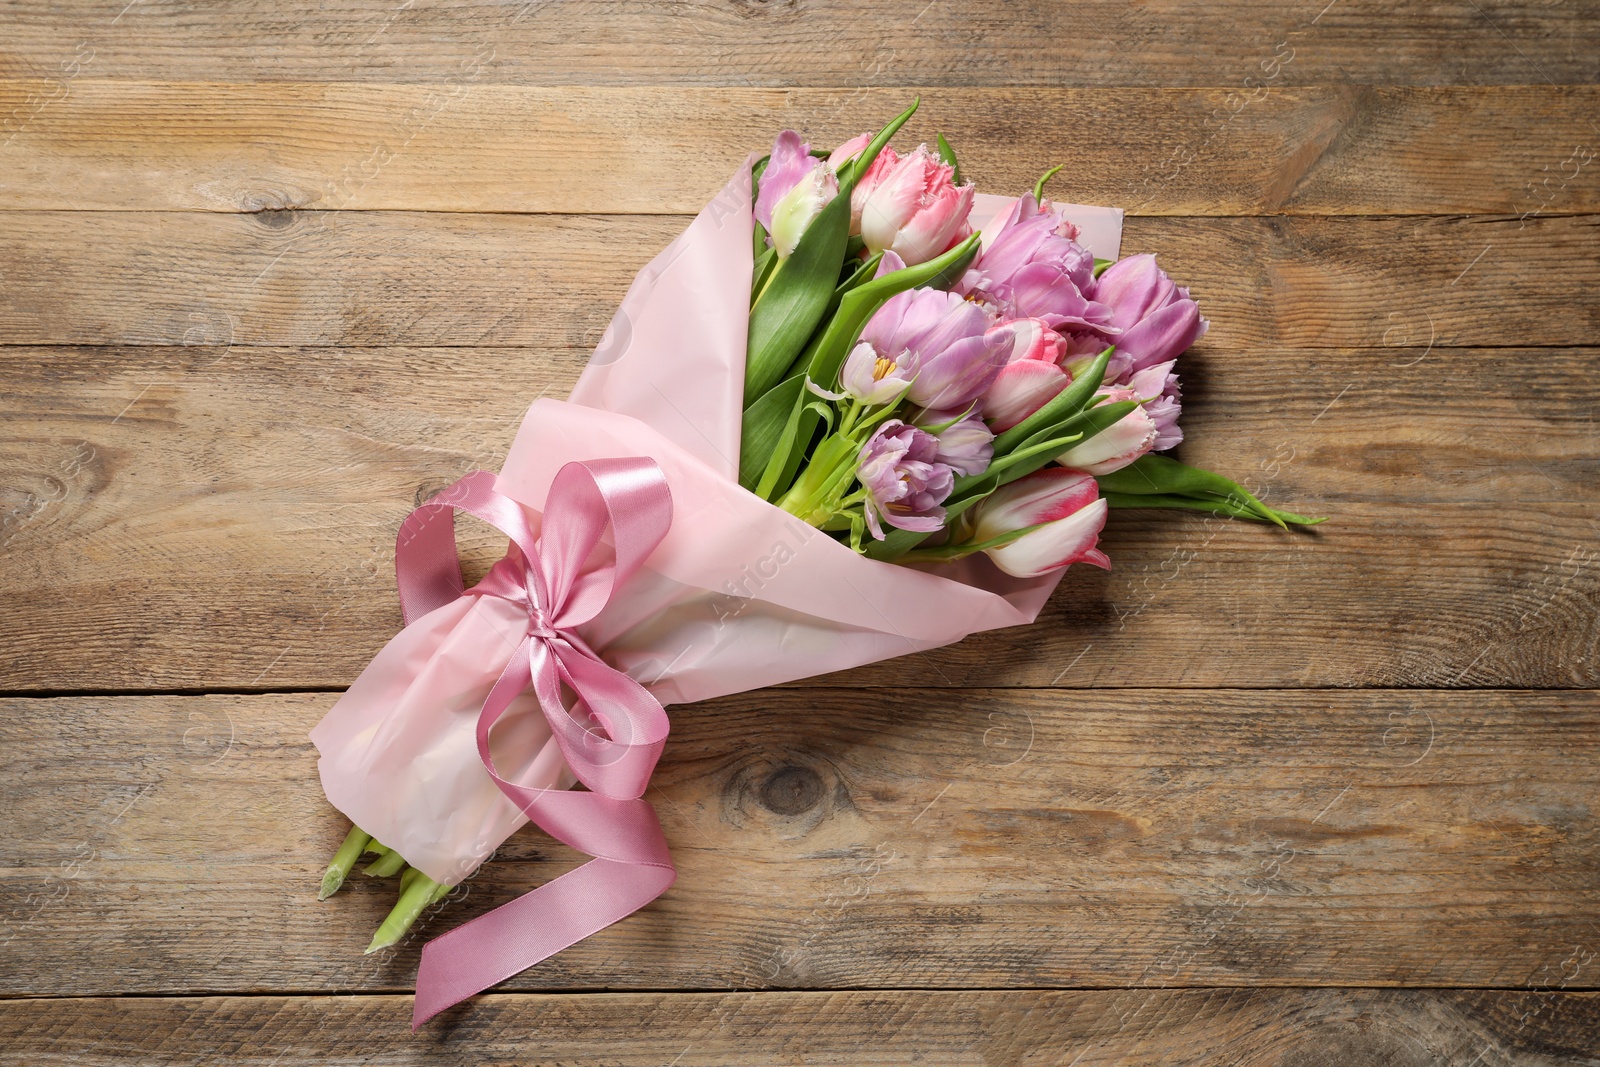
(1038, 186)
(1214, 506)
(1159, 477)
(764, 424)
(852, 171)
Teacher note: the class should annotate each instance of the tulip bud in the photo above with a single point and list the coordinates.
(966, 446)
(799, 207)
(848, 151)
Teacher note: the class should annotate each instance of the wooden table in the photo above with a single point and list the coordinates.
(274, 272)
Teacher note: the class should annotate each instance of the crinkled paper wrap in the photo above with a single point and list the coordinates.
(739, 595)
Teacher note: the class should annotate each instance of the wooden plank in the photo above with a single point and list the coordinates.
(1156, 1028)
(862, 838)
(356, 278)
(1346, 150)
(825, 42)
(206, 517)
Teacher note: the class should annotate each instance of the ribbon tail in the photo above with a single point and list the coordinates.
(530, 929)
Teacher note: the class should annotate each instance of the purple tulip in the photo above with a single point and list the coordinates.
(793, 190)
(1157, 386)
(1153, 320)
(944, 344)
(905, 482)
(1032, 268)
(965, 446)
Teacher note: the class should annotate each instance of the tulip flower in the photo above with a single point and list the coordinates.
(1033, 268)
(1031, 377)
(1118, 444)
(1064, 504)
(869, 378)
(905, 483)
(945, 345)
(793, 190)
(966, 445)
(1157, 386)
(848, 151)
(911, 204)
(1152, 319)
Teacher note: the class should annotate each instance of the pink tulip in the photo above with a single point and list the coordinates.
(1066, 502)
(1118, 444)
(1152, 319)
(1031, 378)
(848, 151)
(911, 205)
(793, 190)
(1019, 390)
(1033, 268)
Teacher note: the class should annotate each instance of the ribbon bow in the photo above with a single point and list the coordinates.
(563, 577)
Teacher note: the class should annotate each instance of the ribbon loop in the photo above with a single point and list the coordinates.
(563, 575)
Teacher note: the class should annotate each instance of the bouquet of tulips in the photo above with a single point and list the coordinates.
(858, 409)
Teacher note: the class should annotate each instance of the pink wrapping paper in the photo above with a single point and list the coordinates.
(737, 596)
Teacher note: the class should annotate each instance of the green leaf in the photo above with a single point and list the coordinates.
(764, 424)
(1038, 186)
(1084, 425)
(766, 260)
(1160, 478)
(948, 154)
(859, 276)
(1215, 507)
(1100, 265)
(1064, 405)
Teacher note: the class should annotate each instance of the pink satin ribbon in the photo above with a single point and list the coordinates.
(564, 577)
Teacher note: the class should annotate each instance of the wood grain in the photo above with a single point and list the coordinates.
(817, 42)
(856, 838)
(1152, 1028)
(353, 278)
(1324, 150)
(201, 516)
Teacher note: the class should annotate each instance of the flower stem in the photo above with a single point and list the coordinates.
(388, 862)
(417, 892)
(355, 842)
